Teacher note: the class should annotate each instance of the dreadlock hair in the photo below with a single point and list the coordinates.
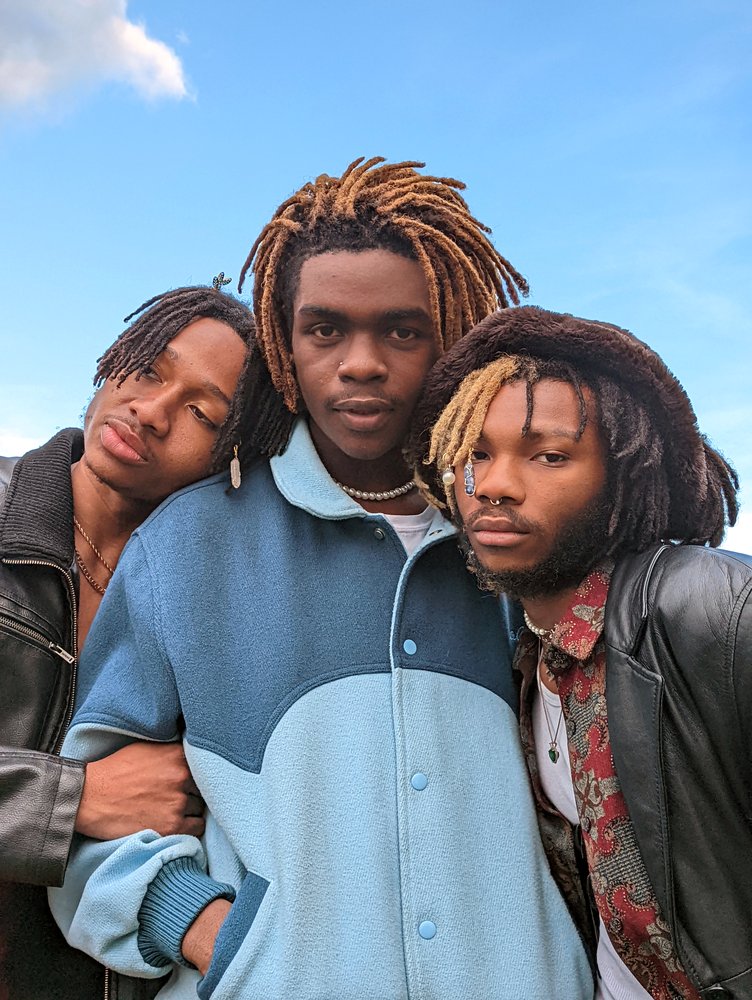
(257, 421)
(664, 481)
(378, 206)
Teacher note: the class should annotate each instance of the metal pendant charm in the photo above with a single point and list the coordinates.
(469, 476)
(553, 753)
(235, 470)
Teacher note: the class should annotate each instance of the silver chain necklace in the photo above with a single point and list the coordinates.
(553, 746)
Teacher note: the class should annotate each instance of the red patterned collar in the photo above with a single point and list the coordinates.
(578, 630)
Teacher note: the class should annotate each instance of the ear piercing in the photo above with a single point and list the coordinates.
(469, 475)
(448, 477)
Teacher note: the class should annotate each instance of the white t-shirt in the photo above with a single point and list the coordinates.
(411, 528)
(616, 981)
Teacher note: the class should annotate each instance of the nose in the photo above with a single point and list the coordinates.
(151, 405)
(498, 482)
(362, 360)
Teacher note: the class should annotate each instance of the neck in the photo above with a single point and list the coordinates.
(371, 476)
(107, 517)
(547, 611)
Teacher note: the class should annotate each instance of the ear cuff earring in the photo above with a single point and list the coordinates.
(469, 475)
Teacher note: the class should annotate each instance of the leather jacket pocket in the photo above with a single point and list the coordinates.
(37, 680)
(233, 931)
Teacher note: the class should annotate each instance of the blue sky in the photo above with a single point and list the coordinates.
(608, 146)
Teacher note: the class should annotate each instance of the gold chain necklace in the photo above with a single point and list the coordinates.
(92, 546)
(86, 572)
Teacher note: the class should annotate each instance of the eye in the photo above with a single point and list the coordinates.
(324, 331)
(403, 334)
(151, 374)
(202, 418)
(551, 458)
(478, 456)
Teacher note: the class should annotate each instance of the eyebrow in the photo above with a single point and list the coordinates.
(337, 316)
(553, 432)
(534, 435)
(211, 387)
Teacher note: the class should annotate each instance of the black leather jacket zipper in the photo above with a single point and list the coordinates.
(58, 650)
(11, 625)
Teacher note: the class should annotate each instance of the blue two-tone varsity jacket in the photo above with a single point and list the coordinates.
(350, 718)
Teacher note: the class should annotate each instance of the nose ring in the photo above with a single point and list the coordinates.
(495, 503)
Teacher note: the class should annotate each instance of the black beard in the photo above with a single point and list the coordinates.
(581, 545)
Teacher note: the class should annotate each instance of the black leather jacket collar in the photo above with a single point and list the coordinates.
(36, 518)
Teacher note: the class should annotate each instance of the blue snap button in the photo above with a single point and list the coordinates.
(427, 930)
(379, 533)
(409, 647)
(419, 781)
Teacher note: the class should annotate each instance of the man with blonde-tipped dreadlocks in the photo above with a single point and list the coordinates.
(158, 421)
(571, 458)
(356, 744)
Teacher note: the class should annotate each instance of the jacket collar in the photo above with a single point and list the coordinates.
(303, 481)
(36, 520)
(581, 626)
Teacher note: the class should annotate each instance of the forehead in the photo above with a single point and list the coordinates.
(208, 346)
(555, 409)
(366, 281)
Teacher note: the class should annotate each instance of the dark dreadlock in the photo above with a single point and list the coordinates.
(665, 482)
(378, 207)
(257, 421)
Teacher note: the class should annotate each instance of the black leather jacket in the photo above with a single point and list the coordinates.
(678, 634)
(40, 791)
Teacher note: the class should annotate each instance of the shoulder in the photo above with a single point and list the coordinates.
(207, 507)
(680, 588)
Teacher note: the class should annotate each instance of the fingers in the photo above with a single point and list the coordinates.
(189, 785)
(194, 826)
(194, 805)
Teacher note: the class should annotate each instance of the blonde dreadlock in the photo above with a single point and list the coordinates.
(378, 205)
(460, 424)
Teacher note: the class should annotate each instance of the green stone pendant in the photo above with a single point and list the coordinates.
(553, 754)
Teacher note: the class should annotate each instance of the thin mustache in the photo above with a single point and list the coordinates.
(491, 514)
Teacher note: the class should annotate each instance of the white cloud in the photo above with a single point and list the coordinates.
(12, 443)
(47, 47)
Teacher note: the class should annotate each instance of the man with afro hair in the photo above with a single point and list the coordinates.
(571, 459)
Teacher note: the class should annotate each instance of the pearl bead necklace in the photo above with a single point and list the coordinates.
(398, 491)
(542, 633)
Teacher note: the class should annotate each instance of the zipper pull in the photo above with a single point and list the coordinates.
(62, 653)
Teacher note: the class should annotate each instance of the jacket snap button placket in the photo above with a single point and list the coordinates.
(379, 534)
(410, 647)
(427, 930)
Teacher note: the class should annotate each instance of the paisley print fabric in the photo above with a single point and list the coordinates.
(575, 655)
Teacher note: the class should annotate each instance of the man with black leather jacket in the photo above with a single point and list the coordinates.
(66, 512)
(571, 458)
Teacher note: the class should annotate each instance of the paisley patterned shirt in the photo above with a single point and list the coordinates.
(575, 654)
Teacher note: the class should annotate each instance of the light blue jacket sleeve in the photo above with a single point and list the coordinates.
(128, 902)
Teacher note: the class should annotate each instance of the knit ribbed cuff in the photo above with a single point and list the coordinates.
(174, 899)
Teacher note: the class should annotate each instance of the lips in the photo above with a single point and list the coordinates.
(120, 441)
(497, 532)
(363, 415)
